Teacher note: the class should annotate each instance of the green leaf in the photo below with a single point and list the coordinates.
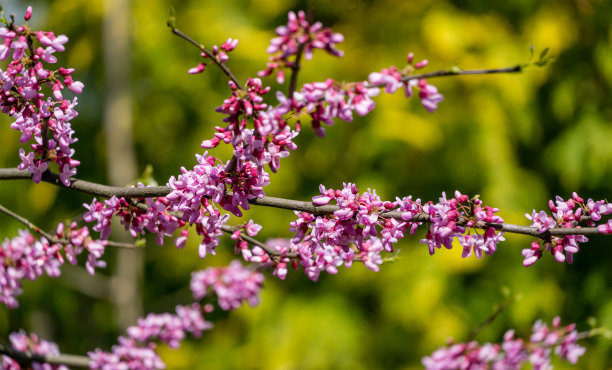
(146, 177)
(543, 54)
(172, 19)
(455, 70)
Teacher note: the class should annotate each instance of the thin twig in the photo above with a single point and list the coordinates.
(295, 69)
(234, 161)
(208, 53)
(488, 320)
(30, 225)
(52, 239)
(271, 252)
(454, 72)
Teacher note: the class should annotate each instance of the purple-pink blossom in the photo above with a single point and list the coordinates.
(511, 353)
(26, 257)
(573, 213)
(393, 78)
(233, 285)
(30, 103)
(299, 33)
(23, 342)
(137, 350)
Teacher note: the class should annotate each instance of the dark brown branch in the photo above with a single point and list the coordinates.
(295, 69)
(289, 204)
(87, 186)
(25, 359)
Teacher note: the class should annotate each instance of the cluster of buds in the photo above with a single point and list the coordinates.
(218, 53)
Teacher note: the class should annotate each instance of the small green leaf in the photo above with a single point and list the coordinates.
(506, 292)
(592, 322)
(543, 54)
(455, 70)
(141, 242)
(147, 176)
(172, 19)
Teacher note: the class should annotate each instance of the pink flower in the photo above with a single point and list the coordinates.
(28, 14)
(198, 69)
(233, 285)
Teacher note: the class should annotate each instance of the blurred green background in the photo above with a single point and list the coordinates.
(518, 140)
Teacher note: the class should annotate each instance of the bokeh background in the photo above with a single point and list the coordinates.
(517, 140)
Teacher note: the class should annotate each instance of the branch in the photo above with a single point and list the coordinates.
(27, 358)
(267, 201)
(488, 320)
(295, 68)
(271, 252)
(52, 239)
(30, 225)
(208, 53)
(88, 187)
(455, 71)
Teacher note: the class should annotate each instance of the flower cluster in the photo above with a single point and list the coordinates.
(324, 101)
(26, 257)
(20, 341)
(511, 353)
(37, 115)
(565, 214)
(195, 193)
(393, 79)
(454, 218)
(219, 53)
(313, 260)
(298, 32)
(137, 350)
(152, 218)
(232, 285)
(360, 217)
(272, 137)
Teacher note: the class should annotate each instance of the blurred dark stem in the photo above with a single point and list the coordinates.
(488, 320)
(26, 359)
